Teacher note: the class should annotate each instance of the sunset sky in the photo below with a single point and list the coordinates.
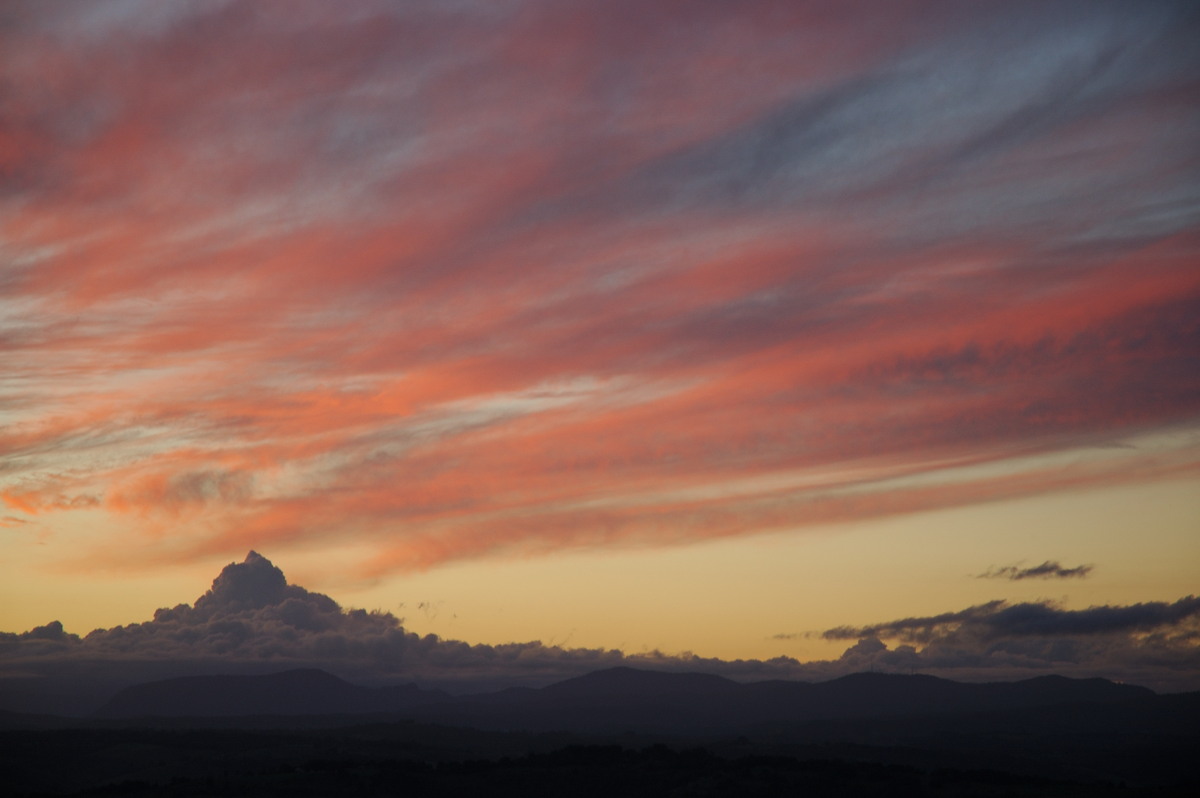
(744, 329)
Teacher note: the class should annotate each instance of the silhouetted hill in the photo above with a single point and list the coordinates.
(30, 720)
(868, 733)
(614, 700)
(207, 763)
(882, 694)
(626, 699)
(296, 692)
(1071, 750)
(628, 682)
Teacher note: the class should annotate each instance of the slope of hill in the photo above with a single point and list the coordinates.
(625, 699)
(611, 701)
(295, 692)
(865, 732)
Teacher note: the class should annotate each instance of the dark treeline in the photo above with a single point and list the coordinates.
(130, 762)
(614, 732)
(416, 760)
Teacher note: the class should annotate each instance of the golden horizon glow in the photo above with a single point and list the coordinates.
(616, 328)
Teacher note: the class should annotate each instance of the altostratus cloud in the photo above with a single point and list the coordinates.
(1050, 569)
(489, 279)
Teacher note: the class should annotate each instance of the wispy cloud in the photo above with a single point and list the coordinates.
(1050, 569)
(490, 279)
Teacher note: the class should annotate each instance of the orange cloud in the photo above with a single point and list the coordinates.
(458, 285)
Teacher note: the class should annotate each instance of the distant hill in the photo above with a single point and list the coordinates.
(871, 732)
(614, 700)
(294, 692)
(626, 699)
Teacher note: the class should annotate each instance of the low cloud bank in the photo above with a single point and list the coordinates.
(999, 620)
(252, 619)
(251, 615)
(1152, 643)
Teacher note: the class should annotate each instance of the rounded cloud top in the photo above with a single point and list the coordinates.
(251, 584)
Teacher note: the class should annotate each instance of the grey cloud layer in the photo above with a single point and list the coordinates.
(252, 615)
(252, 618)
(950, 120)
(1153, 643)
(997, 619)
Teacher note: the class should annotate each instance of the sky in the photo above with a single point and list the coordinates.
(782, 338)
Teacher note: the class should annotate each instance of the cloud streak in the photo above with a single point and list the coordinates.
(999, 618)
(513, 278)
(1050, 569)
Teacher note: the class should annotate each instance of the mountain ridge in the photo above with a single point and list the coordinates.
(298, 691)
(609, 700)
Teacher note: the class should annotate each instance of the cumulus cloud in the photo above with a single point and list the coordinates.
(1050, 569)
(251, 619)
(1152, 643)
(251, 616)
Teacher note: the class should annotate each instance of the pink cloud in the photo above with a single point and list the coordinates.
(278, 277)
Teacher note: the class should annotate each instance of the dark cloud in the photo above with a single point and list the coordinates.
(997, 619)
(252, 617)
(1045, 619)
(921, 629)
(1151, 643)
(252, 620)
(253, 585)
(1050, 569)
